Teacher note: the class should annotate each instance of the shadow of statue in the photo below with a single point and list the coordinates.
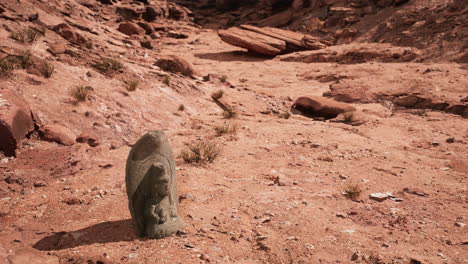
(106, 232)
(236, 55)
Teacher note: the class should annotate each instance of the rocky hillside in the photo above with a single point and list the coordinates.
(303, 131)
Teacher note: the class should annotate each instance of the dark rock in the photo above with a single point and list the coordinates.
(152, 13)
(147, 27)
(89, 138)
(176, 64)
(152, 187)
(128, 13)
(69, 33)
(16, 121)
(148, 44)
(177, 35)
(317, 106)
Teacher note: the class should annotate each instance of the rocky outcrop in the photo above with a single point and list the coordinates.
(16, 121)
(270, 41)
(355, 53)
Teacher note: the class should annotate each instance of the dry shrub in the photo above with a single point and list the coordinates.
(217, 95)
(352, 191)
(226, 128)
(200, 152)
(81, 93)
(46, 69)
(132, 85)
(108, 65)
(229, 113)
(27, 35)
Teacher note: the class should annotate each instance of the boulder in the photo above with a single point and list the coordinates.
(69, 33)
(176, 64)
(320, 107)
(16, 121)
(130, 28)
(128, 13)
(58, 134)
(152, 13)
(253, 41)
(32, 256)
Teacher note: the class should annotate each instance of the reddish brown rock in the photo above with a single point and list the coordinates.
(147, 44)
(253, 41)
(15, 121)
(128, 13)
(320, 107)
(69, 33)
(89, 138)
(130, 28)
(32, 256)
(58, 134)
(176, 64)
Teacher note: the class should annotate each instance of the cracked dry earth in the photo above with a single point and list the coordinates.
(275, 193)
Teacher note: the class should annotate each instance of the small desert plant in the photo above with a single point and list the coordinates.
(7, 65)
(81, 93)
(46, 69)
(285, 115)
(24, 60)
(132, 85)
(89, 45)
(218, 94)
(107, 65)
(167, 80)
(226, 128)
(223, 78)
(352, 191)
(27, 35)
(181, 108)
(201, 152)
(229, 113)
(348, 117)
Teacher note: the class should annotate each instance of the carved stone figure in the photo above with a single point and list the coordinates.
(152, 187)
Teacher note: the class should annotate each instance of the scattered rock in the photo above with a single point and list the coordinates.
(39, 184)
(320, 107)
(177, 35)
(32, 256)
(380, 196)
(152, 12)
(148, 44)
(16, 121)
(73, 201)
(57, 48)
(58, 134)
(460, 224)
(130, 28)
(89, 138)
(450, 140)
(70, 34)
(128, 13)
(415, 192)
(176, 64)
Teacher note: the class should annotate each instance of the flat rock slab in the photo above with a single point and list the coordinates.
(270, 41)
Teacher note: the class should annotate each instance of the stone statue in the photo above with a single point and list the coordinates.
(152, 187)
